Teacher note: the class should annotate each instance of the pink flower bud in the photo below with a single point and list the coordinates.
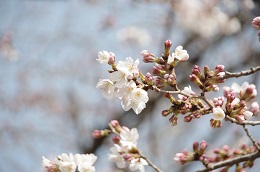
(114, 123)
(116, 139)
(195, 146)
(128, 157)
(168, 44)
(256, 23)
(145, 53)
(203, 145)
(165, 112)
(111, 59)
(219, 68)
(240, 118)
(96, 134)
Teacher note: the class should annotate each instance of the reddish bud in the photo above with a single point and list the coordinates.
(116, 139)
(96, 134)
(203, 145)
(195, 146)
(256, 23)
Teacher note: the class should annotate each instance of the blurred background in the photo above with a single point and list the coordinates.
(49, 103)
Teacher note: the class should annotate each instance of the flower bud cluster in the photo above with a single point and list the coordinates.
(238, 99)
(225, 153)
(197, 154)
(188, 104)
(70, 163)
(208, 80)
(125, 152)
(122, 83)
(163, 69)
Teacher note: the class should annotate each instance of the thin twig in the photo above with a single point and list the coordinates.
(150, 163)
(250, 137)
(233, 161)
(170, 92)
(253, 123)
(243, 73)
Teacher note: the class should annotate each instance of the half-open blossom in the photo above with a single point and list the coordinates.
(179, 54)
(218, 114)
(186, 90)
(103, 57)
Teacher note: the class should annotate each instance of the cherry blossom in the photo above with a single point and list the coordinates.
(218, 114)
(70, 162)
(129, 137)
(103, 57)
(107, 86)
(138, 164)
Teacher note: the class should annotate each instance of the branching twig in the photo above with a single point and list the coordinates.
(250, 137)
(150, 163)
(243, 73)
(233, 161)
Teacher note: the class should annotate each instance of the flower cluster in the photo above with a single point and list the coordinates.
(122, 83)
(220, 154)
(197, 154)
(209, 79)
(70, 163)
(124, 152)
(256, 25)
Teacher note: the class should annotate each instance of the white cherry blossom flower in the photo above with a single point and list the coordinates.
(119, 78)
(180, 54)
(116, 156)
(186, 90)
(103, 57)
(136, 100)
(70, 162)
(129, 67)
(107, 86)
(218, 114)
(129, 137)
(138, 164)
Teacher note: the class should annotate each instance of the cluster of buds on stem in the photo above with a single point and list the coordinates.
(238, 99)
(197, 154)
(220, 154)
(208, 80)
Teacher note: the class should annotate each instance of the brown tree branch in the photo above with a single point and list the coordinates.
(251, 138)
(231, 162)
(242, 73)
(253, 123)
